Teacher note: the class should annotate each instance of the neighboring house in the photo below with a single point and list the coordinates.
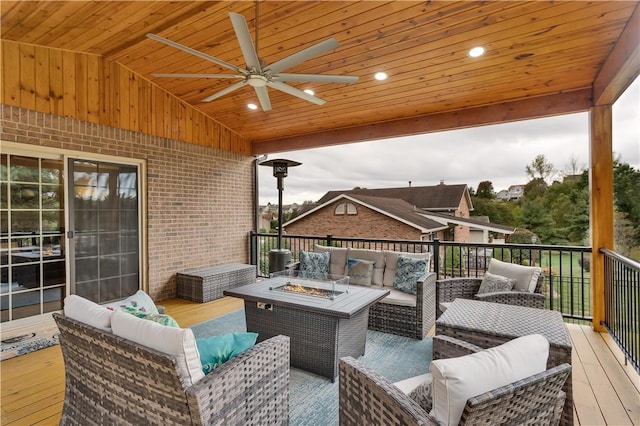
(355, 215)
(516, 192)
(502, 195)
(417, 213)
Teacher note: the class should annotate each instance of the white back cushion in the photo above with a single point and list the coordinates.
(526, 276)
(179, 342)
(375, 256)
(391, 262)
(455, 380)
(88, 312)
(338, 259)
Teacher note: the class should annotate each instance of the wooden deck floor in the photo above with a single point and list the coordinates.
(606, 392)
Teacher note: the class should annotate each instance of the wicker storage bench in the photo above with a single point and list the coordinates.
(208, 283)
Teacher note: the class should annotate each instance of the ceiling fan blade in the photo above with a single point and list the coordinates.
(263, 97)
(196, 53)
(225, 91)
(319, 78)
(296, 92)
(303, 55)
(246, 44)
(198, 75)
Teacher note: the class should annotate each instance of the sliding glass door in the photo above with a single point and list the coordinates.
(104, 230)
(41, 261)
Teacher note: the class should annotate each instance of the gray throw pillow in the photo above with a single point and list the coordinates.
(314, 265)
(492, 283)
(360, 271)
(422, 395)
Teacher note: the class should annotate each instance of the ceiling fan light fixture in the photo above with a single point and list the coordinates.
(380, 76)
(252, 106)
(476, 51)
(257, 80)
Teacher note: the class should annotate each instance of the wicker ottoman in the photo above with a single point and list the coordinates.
(208, 283)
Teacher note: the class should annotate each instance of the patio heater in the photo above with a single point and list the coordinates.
(279, 258)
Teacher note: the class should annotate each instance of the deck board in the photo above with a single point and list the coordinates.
(606, 391)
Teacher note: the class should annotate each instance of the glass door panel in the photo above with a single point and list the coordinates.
(104, 219)
(32, 243)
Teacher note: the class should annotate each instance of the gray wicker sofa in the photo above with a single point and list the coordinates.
(399, 313)
(112, 380)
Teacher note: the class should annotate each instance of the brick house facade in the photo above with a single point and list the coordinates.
(413, 213)
(365, 223)
(199, 200)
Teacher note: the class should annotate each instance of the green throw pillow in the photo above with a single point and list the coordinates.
(408, 271)
(163, 319)
(216, 350)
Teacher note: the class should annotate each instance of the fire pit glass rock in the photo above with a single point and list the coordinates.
(328, 288)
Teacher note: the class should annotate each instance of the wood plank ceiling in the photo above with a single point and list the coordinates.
(535, 50)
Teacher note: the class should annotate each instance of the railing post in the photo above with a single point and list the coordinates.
(253, 252)
(436, 257)
(329, 238)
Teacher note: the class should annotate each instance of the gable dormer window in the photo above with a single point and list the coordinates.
(348, 208)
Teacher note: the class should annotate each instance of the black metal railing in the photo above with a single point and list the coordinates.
(566, 268)
(622, 304)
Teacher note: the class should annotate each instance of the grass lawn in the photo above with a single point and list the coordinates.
(568, 281)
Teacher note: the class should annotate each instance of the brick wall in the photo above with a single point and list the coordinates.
(366, 224)
(199, 200)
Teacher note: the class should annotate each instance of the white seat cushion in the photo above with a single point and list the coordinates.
(408, 385)
(397, 297)
(455, 380)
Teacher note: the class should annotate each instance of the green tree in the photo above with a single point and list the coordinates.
(485, 190)
(626, 184)
(540, 168)
(535, 188)
(536, 218)
(498, 212)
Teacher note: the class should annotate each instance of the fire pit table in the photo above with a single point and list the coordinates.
(325, 319)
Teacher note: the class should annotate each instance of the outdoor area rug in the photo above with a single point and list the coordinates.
(28, 341)
(314, 399)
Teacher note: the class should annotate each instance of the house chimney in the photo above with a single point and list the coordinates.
(409, 184)
(441, 181)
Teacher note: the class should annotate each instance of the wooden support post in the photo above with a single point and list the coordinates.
(601, 204)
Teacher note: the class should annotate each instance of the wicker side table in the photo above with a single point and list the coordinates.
(208, 283)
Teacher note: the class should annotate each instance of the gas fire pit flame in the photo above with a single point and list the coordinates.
(299, 288)
(309, 291)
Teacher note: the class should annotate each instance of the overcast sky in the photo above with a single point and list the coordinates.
(497, 153)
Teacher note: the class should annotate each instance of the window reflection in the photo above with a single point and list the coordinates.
(32, 268)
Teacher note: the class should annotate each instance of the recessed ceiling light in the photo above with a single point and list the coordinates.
(380, 76)
(309, 92)
(476, 51)
(252, 106)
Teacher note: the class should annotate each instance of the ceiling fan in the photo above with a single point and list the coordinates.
(257, 74)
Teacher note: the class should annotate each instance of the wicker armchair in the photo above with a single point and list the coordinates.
(112, 380)
(365, 397)
(410, 321)
(450, 289)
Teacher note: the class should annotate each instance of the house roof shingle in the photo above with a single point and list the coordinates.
(437, 197)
